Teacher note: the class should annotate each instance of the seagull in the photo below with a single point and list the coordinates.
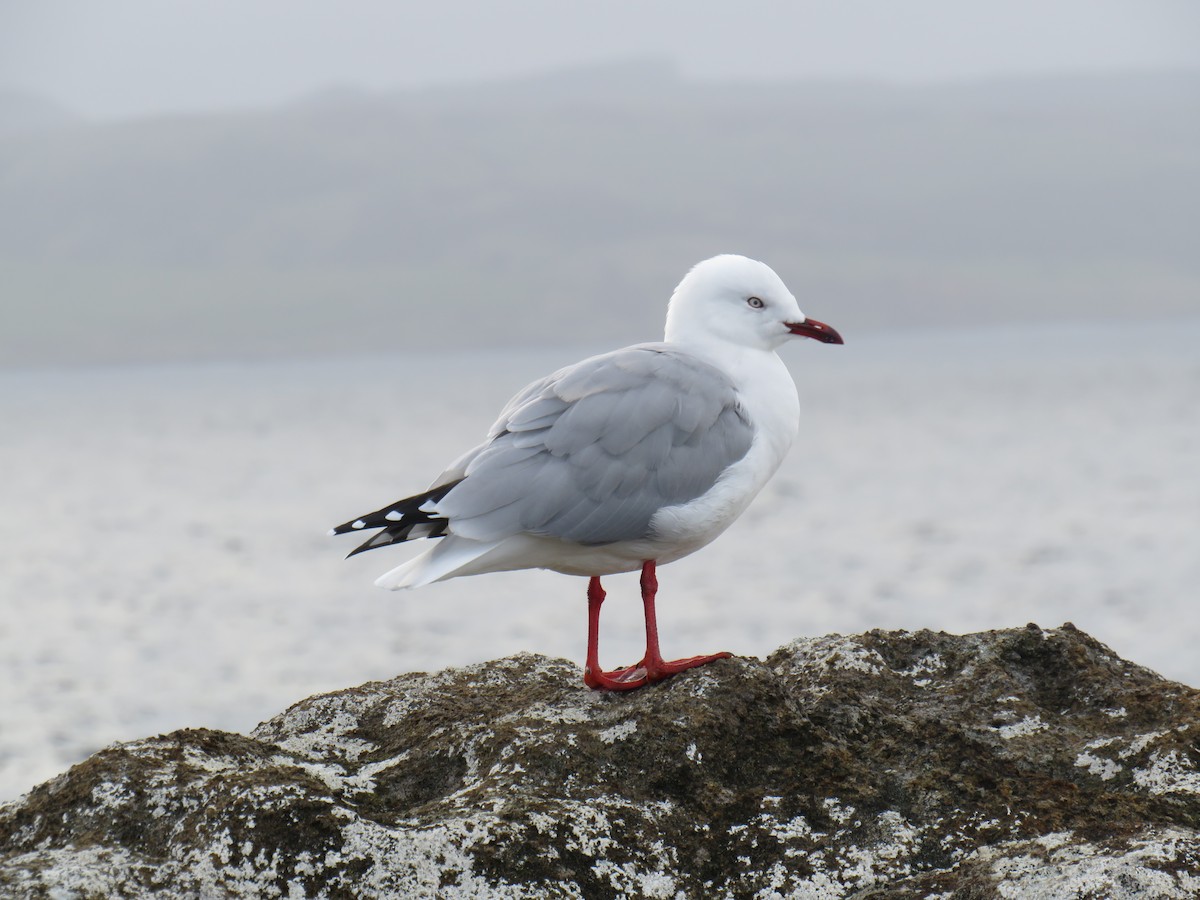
(625, 461)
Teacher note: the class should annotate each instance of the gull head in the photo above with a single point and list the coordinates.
(735, 300)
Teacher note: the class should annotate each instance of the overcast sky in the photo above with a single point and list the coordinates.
(130, 57)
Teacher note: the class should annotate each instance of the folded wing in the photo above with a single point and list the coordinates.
(592, 452)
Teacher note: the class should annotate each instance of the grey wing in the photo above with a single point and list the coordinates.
(592, 452)
(458, 469)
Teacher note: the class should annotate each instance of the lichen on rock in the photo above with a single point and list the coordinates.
(1019, 763)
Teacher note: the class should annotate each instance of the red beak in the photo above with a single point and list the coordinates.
(816, 330)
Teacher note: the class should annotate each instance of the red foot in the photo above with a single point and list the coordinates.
(644, 673)
(653, 667)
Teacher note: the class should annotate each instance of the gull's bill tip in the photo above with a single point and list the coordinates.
(818, 331)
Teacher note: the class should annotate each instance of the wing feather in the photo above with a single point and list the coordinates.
(592, 452)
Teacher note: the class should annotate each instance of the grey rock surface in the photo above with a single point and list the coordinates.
(1021, 763)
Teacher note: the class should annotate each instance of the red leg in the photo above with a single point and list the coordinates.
(652, 667)
(593, 677)
(655, 666)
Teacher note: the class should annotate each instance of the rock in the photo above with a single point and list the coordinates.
(1021, 763)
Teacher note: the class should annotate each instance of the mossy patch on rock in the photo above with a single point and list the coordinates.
(1020, 763)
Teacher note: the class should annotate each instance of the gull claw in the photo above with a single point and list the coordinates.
(648, 671)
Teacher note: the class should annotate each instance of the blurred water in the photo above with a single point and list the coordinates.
(163, 558)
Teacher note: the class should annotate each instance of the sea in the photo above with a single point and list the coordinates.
(165, 563)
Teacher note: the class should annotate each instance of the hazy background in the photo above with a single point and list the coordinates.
(230, 179)
(265, 265)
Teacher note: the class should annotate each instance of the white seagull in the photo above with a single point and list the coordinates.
(623, 461)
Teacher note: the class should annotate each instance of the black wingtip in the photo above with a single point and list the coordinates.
(366, 545)
(398, 521)
(360, 524)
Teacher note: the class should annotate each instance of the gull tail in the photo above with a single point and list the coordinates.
(404, 520)
(455, 555)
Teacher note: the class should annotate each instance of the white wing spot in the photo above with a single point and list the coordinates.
(394, 516)
(358, 523)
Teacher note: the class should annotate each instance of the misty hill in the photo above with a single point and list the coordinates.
(22, 112)
(566, 206)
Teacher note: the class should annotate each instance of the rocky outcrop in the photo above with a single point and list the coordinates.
(1022, 763)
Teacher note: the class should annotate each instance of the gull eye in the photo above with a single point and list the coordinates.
(755, 303)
